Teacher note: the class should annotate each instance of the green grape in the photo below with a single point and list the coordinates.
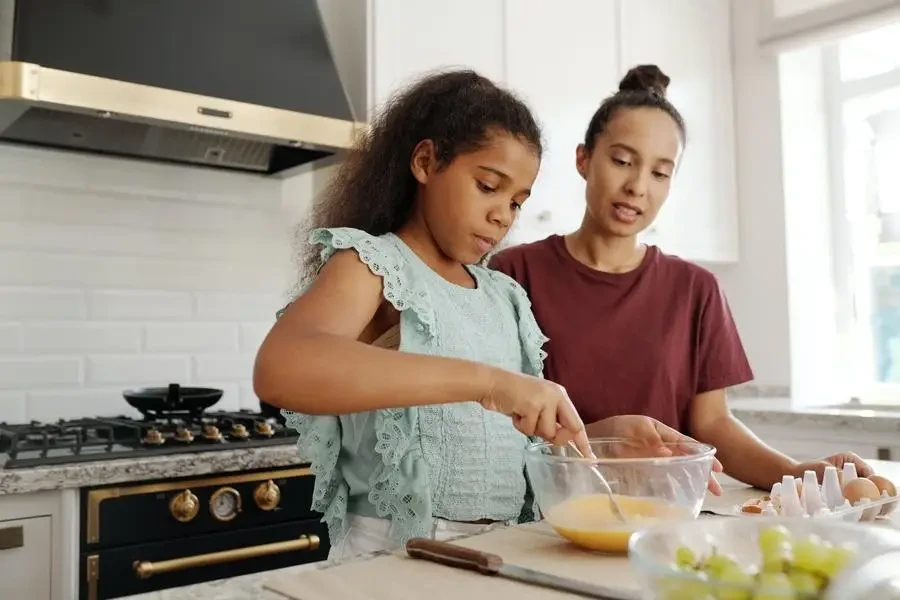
(717, 563)
(774, 559)
(774, 537)
(678, 589)
(685, 557)
(774, 586)
(834, 560)
(805, 584)
(809, 555)
(734, 584)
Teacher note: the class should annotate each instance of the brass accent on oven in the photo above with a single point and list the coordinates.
(184, 506)
(93, 576)
(12, 537)
(225, 491)
(96, 497)
(145, 568)
(267, 495)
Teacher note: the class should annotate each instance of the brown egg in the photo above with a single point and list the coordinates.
(861, 488)
(885, 485)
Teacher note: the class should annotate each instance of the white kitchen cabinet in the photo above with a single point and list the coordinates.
(807, 442)
(410, 37)
(39, 545)
(561, 59)
(25, 560)
(690, 41)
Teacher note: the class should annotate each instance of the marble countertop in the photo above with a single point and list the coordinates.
(76, 475)
(780, 411)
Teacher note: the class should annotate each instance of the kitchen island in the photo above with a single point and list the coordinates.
(251, 587)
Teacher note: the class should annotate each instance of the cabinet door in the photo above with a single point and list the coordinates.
(25, 558)
(561, 59)
(410, 37)
(690, 41)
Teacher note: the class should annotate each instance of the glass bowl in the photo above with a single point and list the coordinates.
(658, 556)
(647, 488)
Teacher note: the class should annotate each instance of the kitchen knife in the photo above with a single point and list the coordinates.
(485, 563)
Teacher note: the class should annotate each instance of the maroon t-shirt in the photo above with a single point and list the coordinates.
(643, 342)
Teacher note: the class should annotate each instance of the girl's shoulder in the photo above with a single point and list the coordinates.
(368, 246)
(503, 283)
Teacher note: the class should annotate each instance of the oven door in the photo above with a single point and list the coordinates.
(142, 568)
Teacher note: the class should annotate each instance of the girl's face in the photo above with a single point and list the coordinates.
(629, 170)
(469, 205)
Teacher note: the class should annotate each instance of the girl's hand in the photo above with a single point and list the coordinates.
(646, 433)
(537, 407)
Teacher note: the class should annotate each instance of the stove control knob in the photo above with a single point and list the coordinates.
(267, 495)
(185, 506)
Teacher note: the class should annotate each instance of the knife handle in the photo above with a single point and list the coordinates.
(452, 555)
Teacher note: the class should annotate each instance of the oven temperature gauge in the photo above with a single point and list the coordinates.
(225, 504)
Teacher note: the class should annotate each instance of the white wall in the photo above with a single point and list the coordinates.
(757, 286)
(116, 273)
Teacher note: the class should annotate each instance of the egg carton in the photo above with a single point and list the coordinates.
(805, 498)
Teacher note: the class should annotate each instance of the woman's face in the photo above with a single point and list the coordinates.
(629, 170)
(469, 205)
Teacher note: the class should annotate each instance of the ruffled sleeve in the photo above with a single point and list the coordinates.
(530, 334)
(398, 485)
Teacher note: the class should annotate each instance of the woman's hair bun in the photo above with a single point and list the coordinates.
(645, 78)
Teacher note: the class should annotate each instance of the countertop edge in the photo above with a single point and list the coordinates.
(77, 475)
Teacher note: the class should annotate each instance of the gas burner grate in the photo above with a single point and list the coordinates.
(102, 438)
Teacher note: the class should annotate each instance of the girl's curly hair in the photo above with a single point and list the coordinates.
(374, 189)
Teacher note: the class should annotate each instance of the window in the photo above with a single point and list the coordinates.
(864, 94)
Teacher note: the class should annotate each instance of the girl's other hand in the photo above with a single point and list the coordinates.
(537, 407)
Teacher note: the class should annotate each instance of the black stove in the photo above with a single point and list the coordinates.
(105, 438)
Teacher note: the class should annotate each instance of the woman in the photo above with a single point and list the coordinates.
(634, 330)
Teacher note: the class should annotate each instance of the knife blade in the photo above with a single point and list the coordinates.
(486, 563)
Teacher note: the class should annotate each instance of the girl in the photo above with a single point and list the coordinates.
(637, 330)
(419, 442)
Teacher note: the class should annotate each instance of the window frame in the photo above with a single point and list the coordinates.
(854, 332)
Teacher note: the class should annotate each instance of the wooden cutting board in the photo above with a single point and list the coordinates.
(397, 577)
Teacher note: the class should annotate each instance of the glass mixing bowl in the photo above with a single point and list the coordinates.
(647, 488)
(657, 556)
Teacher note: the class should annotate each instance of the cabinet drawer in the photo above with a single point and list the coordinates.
(25, 558)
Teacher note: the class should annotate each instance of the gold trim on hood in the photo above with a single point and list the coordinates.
(75, 92)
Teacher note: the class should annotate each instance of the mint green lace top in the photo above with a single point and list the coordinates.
(454, 461)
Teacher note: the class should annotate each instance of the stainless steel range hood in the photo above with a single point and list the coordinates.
(246, 86)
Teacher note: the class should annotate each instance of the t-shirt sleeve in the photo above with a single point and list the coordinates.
(722, 361)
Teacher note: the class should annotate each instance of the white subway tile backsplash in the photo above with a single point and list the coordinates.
(216, 306)
(252, 335)
(125, 369)
(10, 338)
(117, 274)
(38, 371)
(50, 405)
(38, 303)
(248, 400)
(61, 337)
(127, 305)
(223, 367)
(192, 337)
(71, 270)
(13, 407)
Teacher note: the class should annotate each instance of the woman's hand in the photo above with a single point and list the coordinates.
(537, 407)
(650, 434)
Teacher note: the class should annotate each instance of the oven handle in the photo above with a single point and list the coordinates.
(145, 568)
